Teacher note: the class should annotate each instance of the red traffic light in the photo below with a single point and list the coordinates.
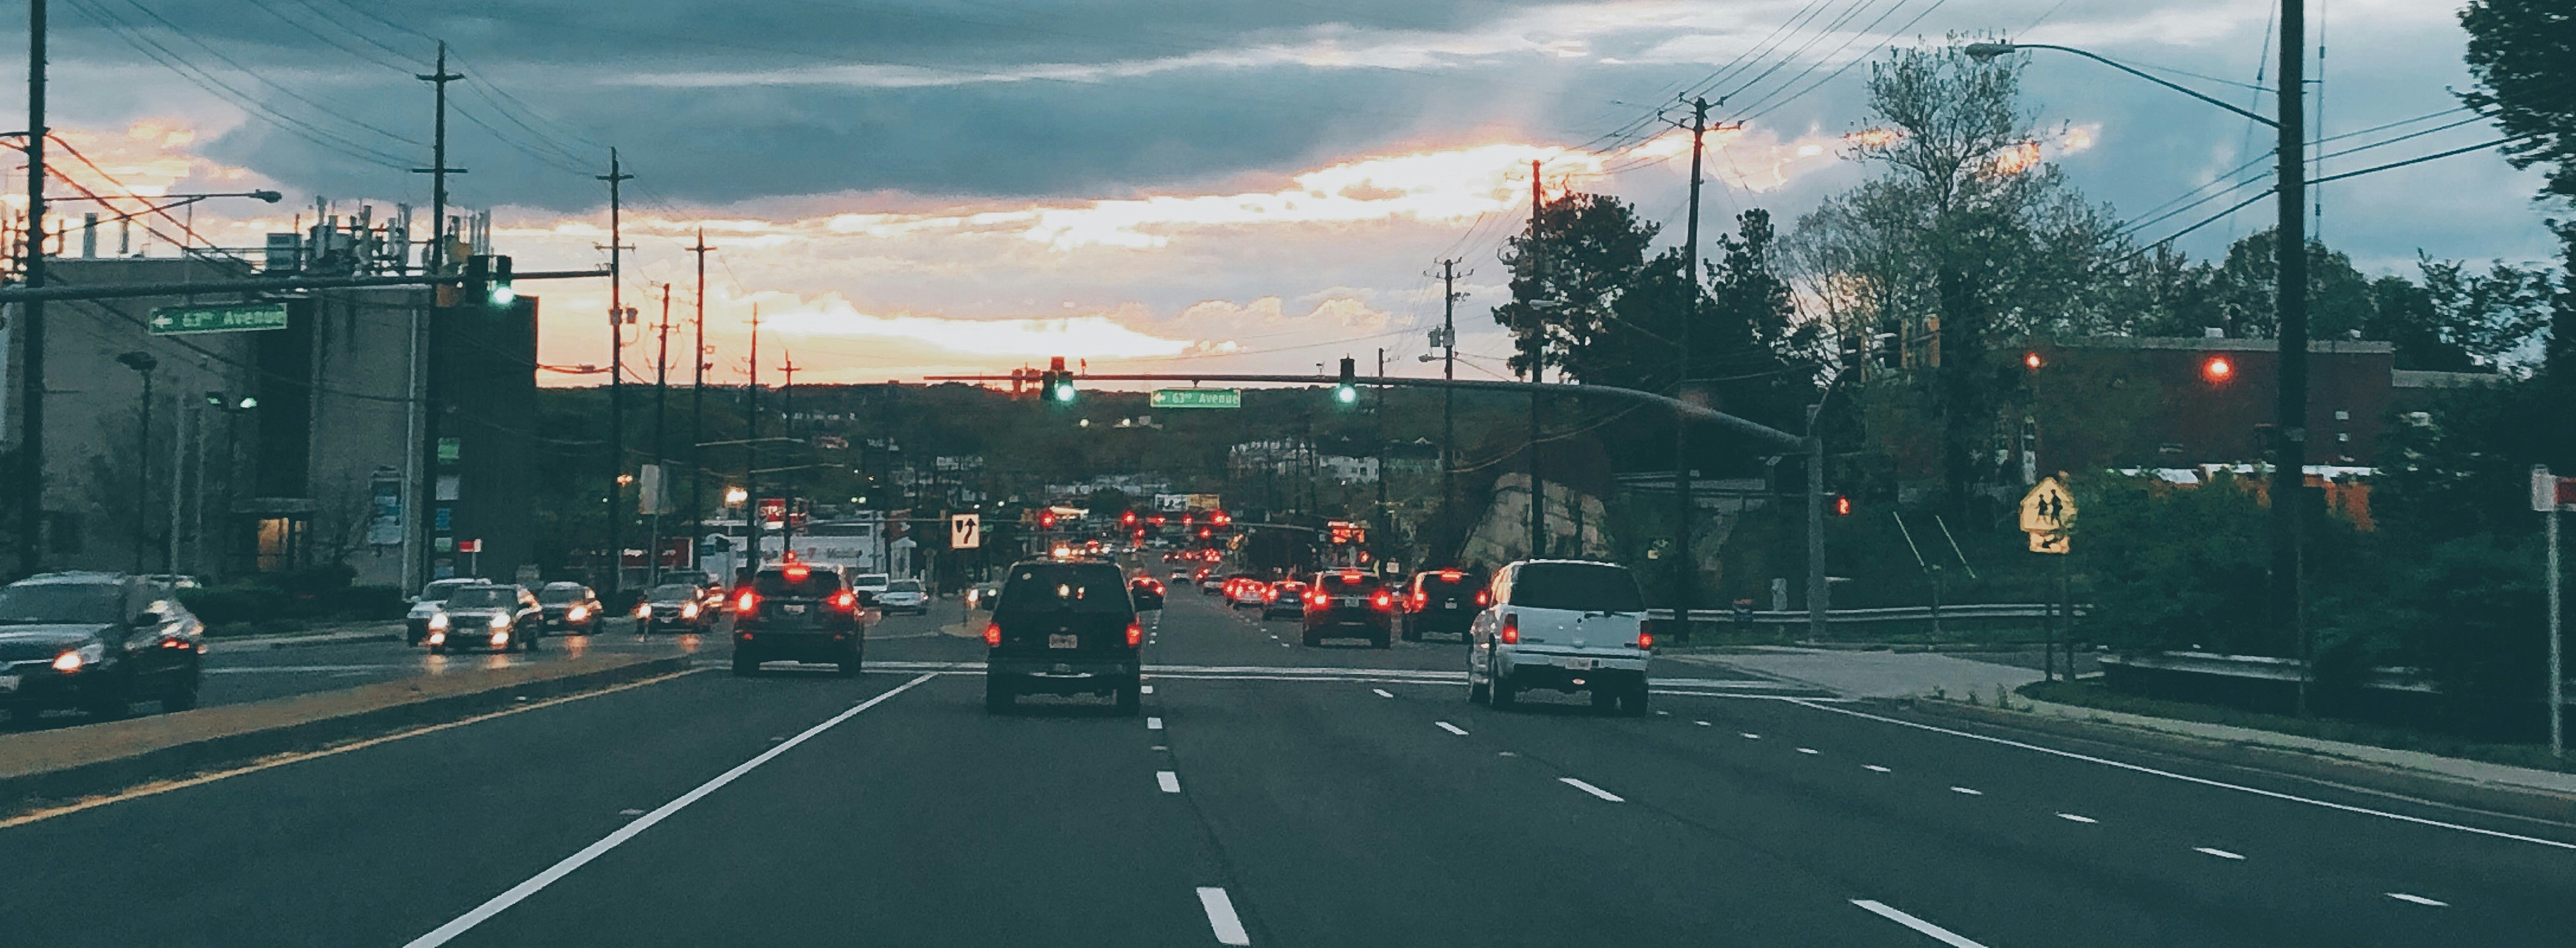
(1205, 533)
(1129, 518)
(1842, 505)
(2217, 370)
(1046, 519)
(2032, 361)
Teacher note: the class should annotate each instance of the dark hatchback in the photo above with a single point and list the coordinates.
(1349, 604)
(1064, 628)
(95, 641)
(570, 608)
(1441, 602)
(796, 613)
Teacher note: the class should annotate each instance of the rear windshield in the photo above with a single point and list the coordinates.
(555, 594)
(817, 583)
(1090, 588)
(44, 603)
(675, 592)
(1432, 582)
(436, 592)
(482, 597)
(1339, 582)
(869, 579)
(904, 586)
(1588, 587)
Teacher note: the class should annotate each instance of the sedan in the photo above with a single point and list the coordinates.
(500, 618)
(95, 641)
(904, 595)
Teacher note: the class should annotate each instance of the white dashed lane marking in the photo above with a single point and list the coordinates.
(1935, 932)
(2072, 818)
(1153, 724)
(1874, 768)
(1169, 781)
(1700, 723)
(1593, 790)
(1451, 728)
(2220, 853)
(1750, 736)
(1382, 693)
(1965, 790)
(1221, 917)
(1807, 750)
(2418, 900)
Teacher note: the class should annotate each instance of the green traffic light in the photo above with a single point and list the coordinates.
(1346, 394)
(503, 295)
(1064, 391)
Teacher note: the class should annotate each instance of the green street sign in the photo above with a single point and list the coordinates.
(1197, 398)
(176, 320)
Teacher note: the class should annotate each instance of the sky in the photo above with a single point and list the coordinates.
(953, 186)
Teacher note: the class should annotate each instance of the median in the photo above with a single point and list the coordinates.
(43, 768)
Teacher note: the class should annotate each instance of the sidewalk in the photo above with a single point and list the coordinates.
(1873, 674)
(2473, 771)
(384, 631)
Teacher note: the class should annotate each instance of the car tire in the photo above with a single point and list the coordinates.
(112, 702)
(182, 695)
(745, 666)
(1605, 700)
(851, 666)
(1633, 702)
(1131, 699)
(1477, 692)
(997, 696)
(532, 641)
(1412, 634)
(1383, 640)
(1504, 694)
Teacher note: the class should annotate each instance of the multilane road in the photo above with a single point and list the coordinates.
(1270, 795)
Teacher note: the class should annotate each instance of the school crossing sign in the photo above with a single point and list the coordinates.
(2046, 512)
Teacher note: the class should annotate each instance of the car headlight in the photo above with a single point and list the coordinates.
(576, 613)
(73, 660)
(644, 611)
(438, 622)
(689, 611)
(500, 620)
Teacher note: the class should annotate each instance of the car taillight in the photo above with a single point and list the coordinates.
(1449, 575)
(1419, 599)
(1382, 600)
(1270, 595)
(747, 602)
(1484, 598)
(1511, 629)
(845, 600)
(992, 635)
(1645, 639)
(1135, 634)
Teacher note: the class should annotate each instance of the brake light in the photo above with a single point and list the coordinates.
(796, 572)
(1484, 598)
(1270, 595)
(1419, 600)
(1350, 576)
(845, 599)
(747, 602)
(1383, 600)
(1645, 639)
(1511, 628)
(992, 635)
(1135, 633)
(1450, 575)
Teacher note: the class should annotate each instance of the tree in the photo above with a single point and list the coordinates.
(1568, 280)
(2523, 54)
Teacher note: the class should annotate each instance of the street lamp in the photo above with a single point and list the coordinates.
(142, 363)
(2290, 254)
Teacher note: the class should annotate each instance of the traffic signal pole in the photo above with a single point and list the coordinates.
(2290, 428)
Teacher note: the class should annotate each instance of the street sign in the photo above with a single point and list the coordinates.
(965, 531)
(2550, 492)
(2045, 514)
(177, 320)
(1197, 398)
(469, 546)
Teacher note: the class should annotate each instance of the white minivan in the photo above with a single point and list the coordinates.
(1564, 625)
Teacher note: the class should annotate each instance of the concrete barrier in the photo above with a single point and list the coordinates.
(41, 767)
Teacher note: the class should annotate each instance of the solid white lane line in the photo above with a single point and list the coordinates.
(1153, 724)
(2419, 900)
(2220, 853)
(1383, 693)
(1808, 750)
(1451, 728)
(1593, 790)
(518, 893)
(1221, 917)
(2203, 781)
(1965, 790)
(1935, 932)
(1874, 768)
(2077, 819)
(1169, 781)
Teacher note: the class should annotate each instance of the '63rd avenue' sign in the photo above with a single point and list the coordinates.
(243, 317)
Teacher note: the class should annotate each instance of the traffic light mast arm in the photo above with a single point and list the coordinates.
(1694, 412)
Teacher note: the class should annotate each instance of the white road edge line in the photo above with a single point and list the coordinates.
(2419, 900)
(1451, 728)
(1153, 724)
(517, 893)
(1169, 781)
(1221, 917)
(2220, 853)
(1935, 932)
(1593, 790)
(2203, 781)
(2073, 818)
(1382, 693)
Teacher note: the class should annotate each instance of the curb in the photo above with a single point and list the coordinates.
(2526, 802)
(27, 791)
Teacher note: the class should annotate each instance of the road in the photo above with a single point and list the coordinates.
(1270, 795)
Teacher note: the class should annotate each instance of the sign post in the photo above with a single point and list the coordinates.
(2552, 495)
(2046, 512)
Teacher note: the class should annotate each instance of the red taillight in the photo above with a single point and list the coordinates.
(1135, 634)
(992, 635)
(1383, 600)
(1350, 576)
(1484, 598)
(1645, 639)
(845, 599)
(1511, 628)
(1270, 595)
(796, 573)
(747, 602)
(1450, 575)
(1419, 600)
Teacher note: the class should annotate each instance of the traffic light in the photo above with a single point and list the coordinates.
(1046, 520)
(1058, 383)
(2217, 370)
(2032, 361)
(487, 282)
(1348, 391)
(1842, 505)
(1128, 518)
(502, 294)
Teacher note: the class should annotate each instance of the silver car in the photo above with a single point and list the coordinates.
(1563, 625)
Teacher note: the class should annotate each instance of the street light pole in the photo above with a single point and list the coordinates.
(142, 363)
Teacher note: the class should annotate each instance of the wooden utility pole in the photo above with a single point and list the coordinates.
(698, 399)
(616, 370)
(422, 424)
(2290, 288)
(31, 333)
(1536, 342)
(661, 457)
(751, 453)
(1685, 508)
(1449, 403)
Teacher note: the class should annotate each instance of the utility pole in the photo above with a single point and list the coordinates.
(661, 456)
(787, 408)
(698, 402)
(616, 369)
(1537, 346)
(1449, 399)
(751, 453)
(1378, 428)
(2290, 428)
(438, 170)
(417, 421)
(31, 436)
(1685, 509)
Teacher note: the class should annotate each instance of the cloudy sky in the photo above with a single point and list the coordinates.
(955, 185)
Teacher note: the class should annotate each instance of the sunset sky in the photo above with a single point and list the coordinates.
(958, 185)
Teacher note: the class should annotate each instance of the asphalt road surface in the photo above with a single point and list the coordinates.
(1270, 795)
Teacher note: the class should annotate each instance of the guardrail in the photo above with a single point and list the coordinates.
(2024, 610)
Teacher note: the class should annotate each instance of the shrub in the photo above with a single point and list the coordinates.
(223, 605)
(367, 602)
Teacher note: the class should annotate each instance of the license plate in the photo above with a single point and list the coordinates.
(1448, 605)
(1350, 603)
(8, 682)
(793, 610)
(1577, 664)
(1064, 641)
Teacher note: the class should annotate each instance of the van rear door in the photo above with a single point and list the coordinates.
(1583, 606)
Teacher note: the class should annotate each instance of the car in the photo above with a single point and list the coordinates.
(1440, 602)
(97, 642)
(1246, 592)
(1064, 627)
(1180, 574)
(1565, 625)
(674, 607)
(798, 613)
(981, 596)
(904, 595)
(502, 618)
(423, 609)
(709, 590)
(1146, 591)
(570, 608)
(1209, 582)
(1285, 599)
(868, 585)
(1349, 603)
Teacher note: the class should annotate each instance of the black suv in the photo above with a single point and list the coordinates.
(1063, 627)
(793, 612)
(1441, 602)
(95, 641)
(1347, 603)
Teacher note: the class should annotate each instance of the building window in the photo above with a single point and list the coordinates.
(279, 538)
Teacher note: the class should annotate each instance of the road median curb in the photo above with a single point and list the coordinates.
(43, 767)
(2527, 802)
